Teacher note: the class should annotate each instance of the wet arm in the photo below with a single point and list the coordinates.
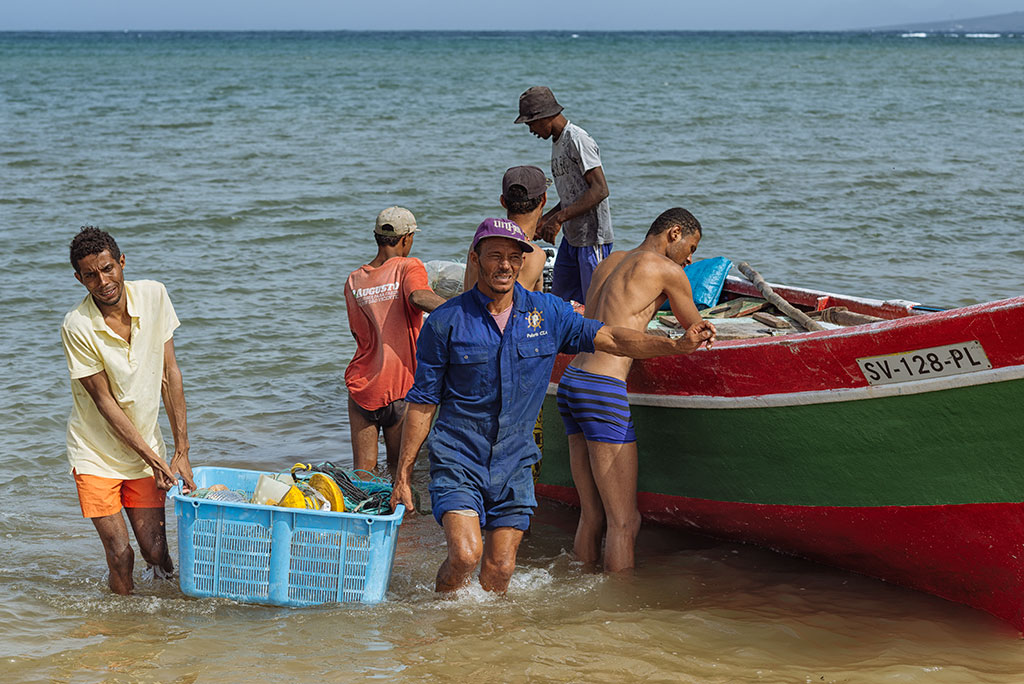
(597, 192)
(172, 388)
(545, 231)
(680, 297)
(98, 387)
(418, 418)
(622, 341)
(425, 300)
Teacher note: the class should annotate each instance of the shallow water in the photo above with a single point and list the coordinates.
(244, 171)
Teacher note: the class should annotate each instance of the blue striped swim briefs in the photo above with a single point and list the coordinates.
(595, 405)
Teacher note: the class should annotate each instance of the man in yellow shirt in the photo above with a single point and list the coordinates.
(120, 351)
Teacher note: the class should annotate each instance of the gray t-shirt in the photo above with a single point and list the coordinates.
(572, 155)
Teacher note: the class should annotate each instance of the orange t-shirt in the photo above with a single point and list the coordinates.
(385, 326)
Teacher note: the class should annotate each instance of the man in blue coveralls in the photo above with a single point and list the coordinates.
(484, 359)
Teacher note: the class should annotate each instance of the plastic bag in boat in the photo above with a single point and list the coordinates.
(707, 278)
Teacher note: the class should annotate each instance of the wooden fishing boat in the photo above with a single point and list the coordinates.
(893, 448)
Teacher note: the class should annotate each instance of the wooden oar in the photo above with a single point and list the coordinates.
(840, 315)
(781, 304)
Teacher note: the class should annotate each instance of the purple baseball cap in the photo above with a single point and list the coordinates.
(499, 227)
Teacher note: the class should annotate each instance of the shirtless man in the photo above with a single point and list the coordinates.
(523, 194)
(626, 290)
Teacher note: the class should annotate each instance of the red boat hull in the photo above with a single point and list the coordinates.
(909, 545)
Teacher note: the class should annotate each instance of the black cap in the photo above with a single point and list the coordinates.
(531, 178)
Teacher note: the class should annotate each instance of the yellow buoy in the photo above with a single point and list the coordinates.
(326, 485)
(293, 498)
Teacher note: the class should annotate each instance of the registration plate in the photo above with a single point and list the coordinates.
(933, 362)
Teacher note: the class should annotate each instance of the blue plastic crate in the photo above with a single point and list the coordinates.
(280, 556)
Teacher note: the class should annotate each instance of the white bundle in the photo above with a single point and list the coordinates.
(445, 277)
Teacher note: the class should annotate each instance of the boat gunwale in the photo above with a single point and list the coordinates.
(728, 371)
(910, 320)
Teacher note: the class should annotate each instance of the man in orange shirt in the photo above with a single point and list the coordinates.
(386, 299)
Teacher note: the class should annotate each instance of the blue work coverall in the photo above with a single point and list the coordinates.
(489, 387)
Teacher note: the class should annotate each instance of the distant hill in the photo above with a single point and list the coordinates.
(997, 23)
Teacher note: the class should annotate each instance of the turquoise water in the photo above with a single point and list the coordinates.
(245, 171)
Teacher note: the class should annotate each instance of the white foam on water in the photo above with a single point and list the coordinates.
(107, 604)
(913, 35)
(561, 578)
(525, 581)
(983, 35)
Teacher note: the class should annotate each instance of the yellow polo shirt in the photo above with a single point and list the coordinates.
(135, 372)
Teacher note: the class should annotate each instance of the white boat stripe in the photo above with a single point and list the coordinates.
(824, 396)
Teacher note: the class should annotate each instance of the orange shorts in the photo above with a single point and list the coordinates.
(100, 496)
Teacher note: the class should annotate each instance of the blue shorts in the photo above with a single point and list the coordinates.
(574, 267)
(595, 405)
(500, 500)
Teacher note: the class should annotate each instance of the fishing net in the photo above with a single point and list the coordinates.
(372, 496)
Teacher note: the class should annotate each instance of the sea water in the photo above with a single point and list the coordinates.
(244, 170)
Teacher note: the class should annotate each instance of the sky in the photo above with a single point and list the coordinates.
(580, 15)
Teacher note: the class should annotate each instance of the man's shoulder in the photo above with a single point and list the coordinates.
(448, 312)
(615, 258)
(403, 262)
(574, 128)
(538, 257)
(411, 265)
(544, 301)
(355, 274)
(147, 296)
(395, 266)
(647, 265)
(79, 317)
(146, 288)
(575, 132)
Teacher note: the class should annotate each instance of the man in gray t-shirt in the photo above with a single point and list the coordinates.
(582, 212)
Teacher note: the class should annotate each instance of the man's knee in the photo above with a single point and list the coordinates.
(121, 563)
(154, 552)
(464, 554)
(500, 567)
(151, 534)
(120, 555)
(496, 572)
